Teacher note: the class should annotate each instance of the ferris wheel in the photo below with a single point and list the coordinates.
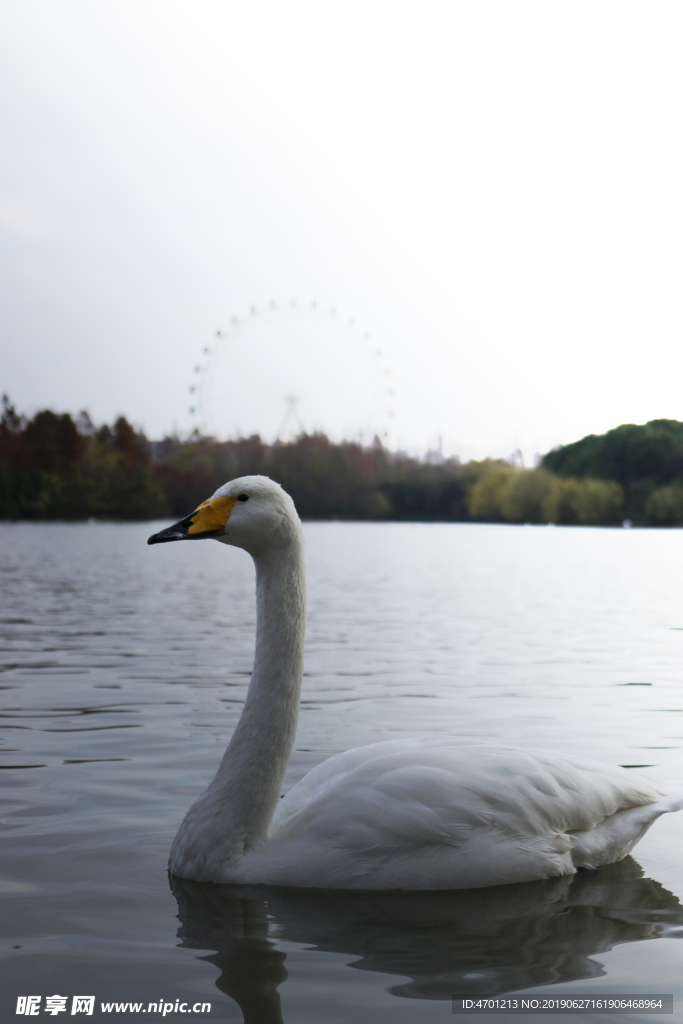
(305, 338)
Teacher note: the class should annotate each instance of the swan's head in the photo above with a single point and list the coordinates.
(252, 512)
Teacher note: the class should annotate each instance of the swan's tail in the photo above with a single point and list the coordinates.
(615, 837)
(673, 802)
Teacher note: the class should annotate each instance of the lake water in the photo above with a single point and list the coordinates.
(124, 669)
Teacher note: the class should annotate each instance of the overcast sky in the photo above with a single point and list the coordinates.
(492, 191)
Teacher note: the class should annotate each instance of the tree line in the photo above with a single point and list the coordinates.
(56, 466)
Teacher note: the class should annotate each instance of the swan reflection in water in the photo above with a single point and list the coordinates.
(472, 941)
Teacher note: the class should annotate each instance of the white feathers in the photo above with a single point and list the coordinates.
(410, 814)
(436, 814)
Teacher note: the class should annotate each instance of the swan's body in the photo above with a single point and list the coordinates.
(408, 814)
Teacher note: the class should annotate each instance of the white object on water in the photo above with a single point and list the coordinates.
(437, 813)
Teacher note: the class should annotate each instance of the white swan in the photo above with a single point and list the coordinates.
(408, 814)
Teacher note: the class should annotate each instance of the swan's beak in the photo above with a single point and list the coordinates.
(207, 521)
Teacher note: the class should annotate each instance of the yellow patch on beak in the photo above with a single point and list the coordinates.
(211, 516)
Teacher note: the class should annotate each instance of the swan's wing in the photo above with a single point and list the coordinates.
(438, 813)
(536, 790)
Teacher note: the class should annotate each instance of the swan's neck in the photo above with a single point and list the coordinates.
(249, 779)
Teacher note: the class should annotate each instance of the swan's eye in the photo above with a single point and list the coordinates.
(243, 497)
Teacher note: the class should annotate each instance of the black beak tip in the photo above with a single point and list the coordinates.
(164, 535)
(176, 532)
